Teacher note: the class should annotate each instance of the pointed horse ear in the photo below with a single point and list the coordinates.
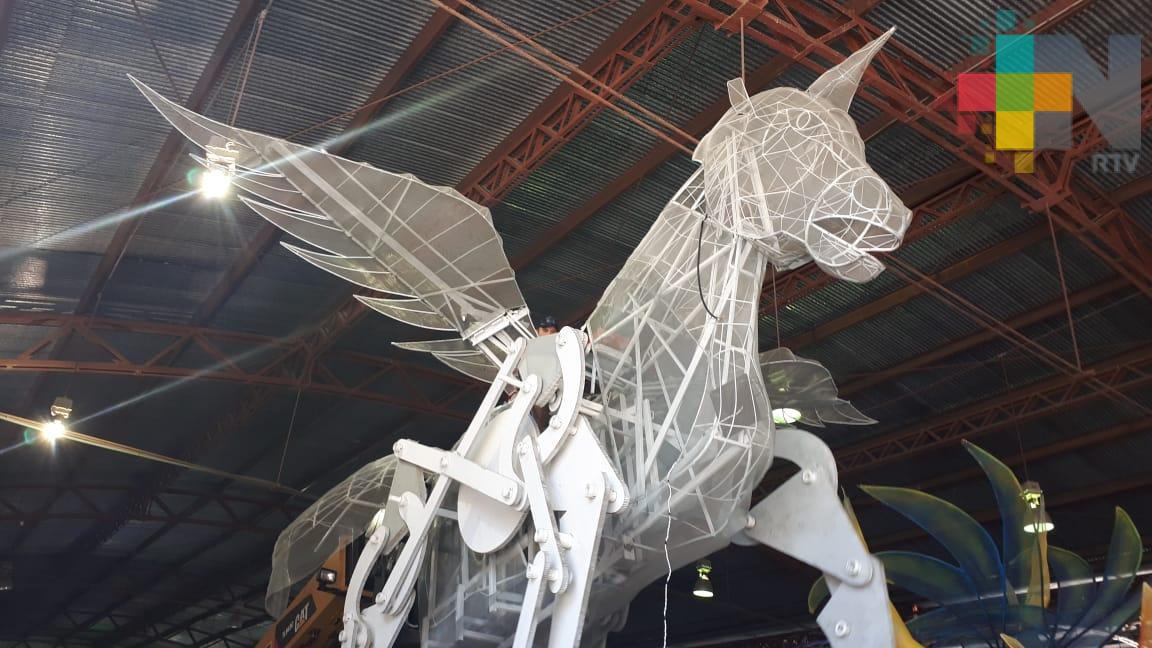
(738, 95)
(838, 85)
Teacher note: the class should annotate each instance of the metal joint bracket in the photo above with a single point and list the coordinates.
(501, 488)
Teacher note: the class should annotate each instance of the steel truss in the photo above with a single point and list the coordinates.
(308, 364)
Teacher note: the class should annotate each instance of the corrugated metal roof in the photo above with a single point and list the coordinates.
(964, 32)
(77, 139)
(442, 130)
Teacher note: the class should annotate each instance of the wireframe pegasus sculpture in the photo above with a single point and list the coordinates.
(660, 422)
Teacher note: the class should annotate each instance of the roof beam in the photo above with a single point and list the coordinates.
(305, 364)
(1121, 373)
(1052, 500)
(1044, 451)
(1124, 372)
(963, 268)
(1044, 20)
(166, 158)
(642, 41)
(806, 280)
(1056, 307)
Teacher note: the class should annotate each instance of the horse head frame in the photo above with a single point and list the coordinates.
(660, 424)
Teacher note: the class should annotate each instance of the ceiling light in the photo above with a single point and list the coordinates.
(703, 588)
(785, 415)
(216, 179)
(214, 183)
(53, 430)
(1042, 523)
(1037, 519)
(61, 408)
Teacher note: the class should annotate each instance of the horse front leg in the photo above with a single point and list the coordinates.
(804, 518)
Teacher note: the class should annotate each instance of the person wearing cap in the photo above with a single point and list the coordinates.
(547, 326)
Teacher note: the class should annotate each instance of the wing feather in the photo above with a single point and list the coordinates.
(384, 231)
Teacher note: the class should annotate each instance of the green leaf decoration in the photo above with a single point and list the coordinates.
(1073, 577)
(926, 576)
(974, 550)
(818, 594)
(1125, 553)
(989, 602)
(1018, 547)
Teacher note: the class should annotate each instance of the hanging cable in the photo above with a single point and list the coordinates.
(1019, 437)
(155, 48)
(667, 556)
(1064, 290)
(288, 437)
(743, 67)
(249, 56)
(775, 304)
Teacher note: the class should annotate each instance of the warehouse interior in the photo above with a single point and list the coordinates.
(1015, 314)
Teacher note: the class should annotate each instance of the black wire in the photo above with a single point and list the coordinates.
(699, 285)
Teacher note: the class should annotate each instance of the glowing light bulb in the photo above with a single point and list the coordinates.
(785, 415)
(1038, 520)
(215, 182)
(53, 431)
(703, 587)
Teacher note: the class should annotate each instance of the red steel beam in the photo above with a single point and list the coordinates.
(1073, 444)
(643, 40)
(1044, 20)
(307, 364)
(1122, 373)
(1133, 190)
(1052, 309)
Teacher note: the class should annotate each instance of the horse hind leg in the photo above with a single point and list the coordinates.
(804, 519)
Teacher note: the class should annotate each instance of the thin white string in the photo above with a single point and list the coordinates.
(667, 558)
(667, 563)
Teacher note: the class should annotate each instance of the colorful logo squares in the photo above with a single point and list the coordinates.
(1015, 92)
(1015, 97)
